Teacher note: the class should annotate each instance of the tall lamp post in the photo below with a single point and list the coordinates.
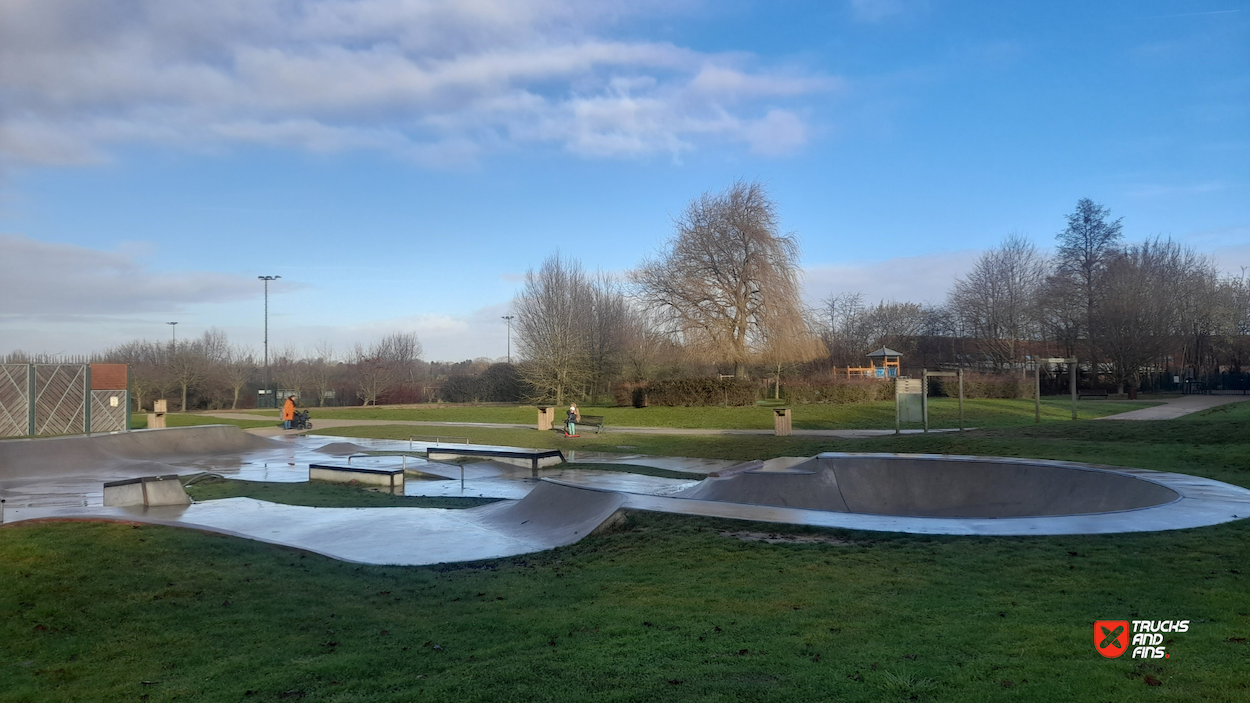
(173, 327)
(509, 319)
(267, 279)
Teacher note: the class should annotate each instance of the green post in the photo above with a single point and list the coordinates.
(86, 399)
(961, 400)
(1072, 384)
(897, 422)
(129, 407)
(30, 395)
(924, 397)
(1037, 393)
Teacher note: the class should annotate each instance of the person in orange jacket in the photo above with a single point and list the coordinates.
(288, 412)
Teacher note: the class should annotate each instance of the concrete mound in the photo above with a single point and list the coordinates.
(342, 449)
(135, 453)
(553, 513)
(937, 486)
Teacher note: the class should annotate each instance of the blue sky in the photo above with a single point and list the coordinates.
(401, 163)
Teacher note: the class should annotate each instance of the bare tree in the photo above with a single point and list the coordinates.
(146, 362)
(894, 324)
(323, 367)
(843, 329)
(1143, 299)
(193, 361)
(1233, 301)
(1062, 312)
(996, 301)
(291, 372)
(553, 312)
(646, 349)
(1086, 248)
(384, 365)
(606, 329)
(239, 369)
(727, 276)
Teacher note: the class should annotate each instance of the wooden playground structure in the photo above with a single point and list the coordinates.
(888, 369)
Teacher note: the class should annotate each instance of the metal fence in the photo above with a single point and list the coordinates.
(59, 399)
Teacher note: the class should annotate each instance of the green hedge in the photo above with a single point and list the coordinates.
(838, 393)
(687, 392)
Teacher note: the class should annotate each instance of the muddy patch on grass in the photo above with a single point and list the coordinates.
(781, 538)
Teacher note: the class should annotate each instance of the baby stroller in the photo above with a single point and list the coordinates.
(301, 421)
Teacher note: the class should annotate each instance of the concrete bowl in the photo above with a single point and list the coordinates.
(939, 486)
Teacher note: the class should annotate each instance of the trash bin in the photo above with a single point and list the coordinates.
(546, 417)
(781, 422)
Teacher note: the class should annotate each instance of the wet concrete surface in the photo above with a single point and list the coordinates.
(559, 509)
(286, 460)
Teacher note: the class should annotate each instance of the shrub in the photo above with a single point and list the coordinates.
(627, 393)
(692, 391)
(838, 392)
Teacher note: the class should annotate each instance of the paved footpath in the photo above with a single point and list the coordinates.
(325, 424)
(1177, 407)
(1170, 409)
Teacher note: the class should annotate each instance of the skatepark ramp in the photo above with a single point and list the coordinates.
(136, 453)
(937, 486)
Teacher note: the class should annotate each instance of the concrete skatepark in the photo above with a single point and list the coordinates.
(63, 478)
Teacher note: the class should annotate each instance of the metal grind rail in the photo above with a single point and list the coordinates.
(437, 440)
(404, 457)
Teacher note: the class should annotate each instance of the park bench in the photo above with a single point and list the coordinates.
(595, 421)
(1102, 395)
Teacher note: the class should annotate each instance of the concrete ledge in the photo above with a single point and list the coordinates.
(146, 491)
(387, 480)
(534, 460)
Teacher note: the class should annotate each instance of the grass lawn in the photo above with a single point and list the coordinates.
(943, 412)
(139, 421)
(662, 608)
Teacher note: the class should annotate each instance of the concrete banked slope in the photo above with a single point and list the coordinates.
(937, 486)
(123, 455)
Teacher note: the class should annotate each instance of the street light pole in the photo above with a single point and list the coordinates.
(173, 327)
(509, 319)
(267, 279)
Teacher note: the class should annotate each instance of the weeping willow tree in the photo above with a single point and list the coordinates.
(571, 330)
(727, 282)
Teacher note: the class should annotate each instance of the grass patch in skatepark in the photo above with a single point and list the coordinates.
(943, 412)
(663, 607)
(139, 421)
(320, 494)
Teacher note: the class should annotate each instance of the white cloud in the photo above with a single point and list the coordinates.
(779, 132)
(437, 81)
(47, 281)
